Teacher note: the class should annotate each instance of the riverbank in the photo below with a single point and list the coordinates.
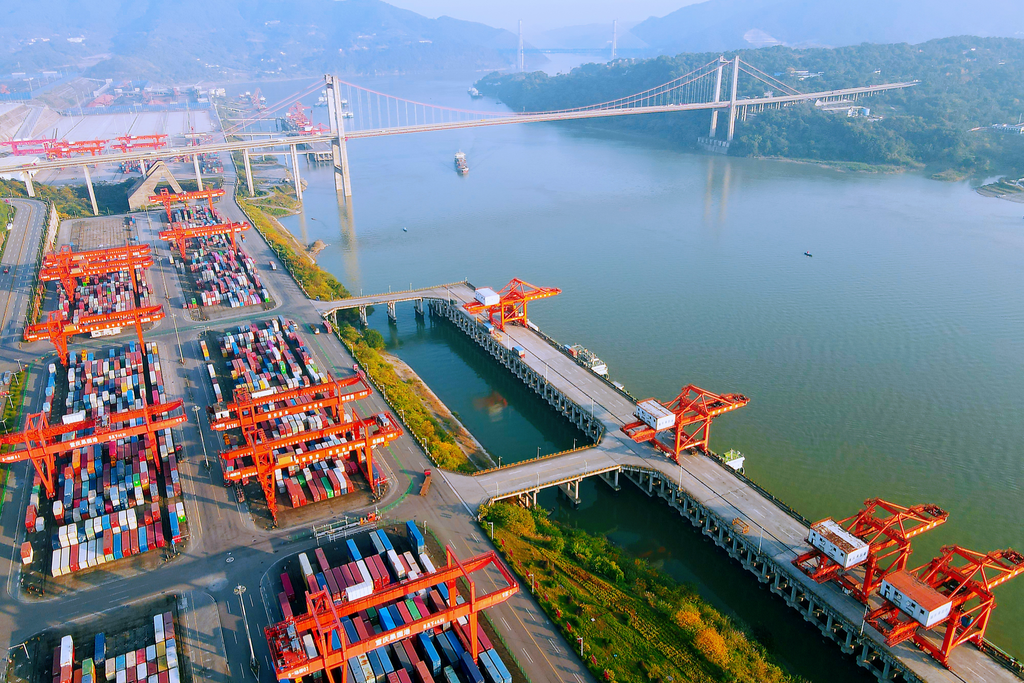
(1011, 191)
(636, 624)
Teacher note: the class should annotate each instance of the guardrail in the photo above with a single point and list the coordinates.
(542, 457)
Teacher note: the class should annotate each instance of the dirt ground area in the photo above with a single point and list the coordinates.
(84, 234)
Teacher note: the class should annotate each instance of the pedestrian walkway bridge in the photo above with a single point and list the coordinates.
(755, 528)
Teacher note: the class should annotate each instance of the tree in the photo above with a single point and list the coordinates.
(374, 339)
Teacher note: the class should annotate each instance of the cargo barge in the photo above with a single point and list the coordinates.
(371, 563)
(461, 167)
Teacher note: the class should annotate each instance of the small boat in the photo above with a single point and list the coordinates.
(475, 94)
(807, 253)
(405, 229)
(460, 163)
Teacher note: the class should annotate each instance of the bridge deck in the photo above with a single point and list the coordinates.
(706, 480)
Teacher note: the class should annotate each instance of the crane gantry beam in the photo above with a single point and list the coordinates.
(693, 411)
(886, 529)
(166, 198)
(246, 409)
(43, 442)
(511, 304)
(260, 451)
(952, 593)
(67, 267)
(324, 613)
(58, 329)
(179, 233)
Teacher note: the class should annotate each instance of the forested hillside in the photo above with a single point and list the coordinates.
(965, 83)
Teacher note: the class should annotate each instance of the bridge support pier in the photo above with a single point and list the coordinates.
(392, 315)
(419, 308)
(92, 192)
(718, 96)
(295, 173)
(199, 176)
(248, 172)
(339, 149)
(362, 316)
(612, 479)
(732, 98)
(571, 489)
(29, 190)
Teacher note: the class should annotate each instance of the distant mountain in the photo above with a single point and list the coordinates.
(734, 24)
(197, 39)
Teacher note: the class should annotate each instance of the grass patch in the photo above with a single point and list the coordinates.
(637, 624)
(439, 443)
(6, 214)
(12, 422)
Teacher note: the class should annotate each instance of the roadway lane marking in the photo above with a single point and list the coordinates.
(507, 627)
(527, 654)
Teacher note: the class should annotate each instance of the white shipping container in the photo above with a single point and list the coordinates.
(67, 651)
(359, 590)
(307, 568)
(487, 296)
(838, 544)
(655, 415)
(307, 642)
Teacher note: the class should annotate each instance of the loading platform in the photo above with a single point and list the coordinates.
(704, 491)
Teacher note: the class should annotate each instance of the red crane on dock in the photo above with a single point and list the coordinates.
(247, 410)
(953, 591)
(166, 198)
(58, 329)
(689, 416)
(67, 267)
(129, 142)
(179, 233)
(42, 442)
(322, 620)
(359, 436)
(508, 305)
(883, 530)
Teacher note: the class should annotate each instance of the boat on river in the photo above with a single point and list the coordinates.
(460, 163)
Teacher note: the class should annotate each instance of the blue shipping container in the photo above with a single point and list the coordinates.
(353, 551)
(430, 656)
(470, 669)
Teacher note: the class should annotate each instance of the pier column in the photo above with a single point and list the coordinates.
(718, 95)
(732, 98)
(419, 307)
(295, 173)
(392, 315)
(92, 193)
(339, 148)
(199, 176)
(248, 172)
(29, 190)
(362, 316)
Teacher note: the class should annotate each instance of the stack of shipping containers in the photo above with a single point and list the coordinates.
(157, 662)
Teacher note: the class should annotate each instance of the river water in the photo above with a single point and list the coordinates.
(887, 365)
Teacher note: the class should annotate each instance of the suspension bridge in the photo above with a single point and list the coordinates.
(356, 112)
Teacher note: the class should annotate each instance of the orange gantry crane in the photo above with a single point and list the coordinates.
(359, 436)
(876, 539)
(62, 149)
(179, 233)
(248, 411)
(508, 305)
(322, 620)
(166, 198)
(42, 442)
(129, 142)
(953, 591)
(67, 267)
(58, 329)
(689, 415)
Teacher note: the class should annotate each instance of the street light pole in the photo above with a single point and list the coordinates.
(533, 585)
(581, 646)
(202, 439)
(254, 665)
(492, 530)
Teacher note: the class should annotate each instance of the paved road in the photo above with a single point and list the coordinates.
(226, 548)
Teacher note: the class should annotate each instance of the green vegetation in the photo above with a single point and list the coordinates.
(316, 282)
(966, 84)
(72, 201)
(636, 623)
(439, 442)
(6, 214)
(12, 421)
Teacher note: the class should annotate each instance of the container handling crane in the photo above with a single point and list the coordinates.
(58, 329)
(693, 409)
(359, 436)
(179, 233)
(248, 410)
(317, 640)
(43, 442)
(508, 305)
(67, 267)
(166, 198)
(877, 538)
(953, 591)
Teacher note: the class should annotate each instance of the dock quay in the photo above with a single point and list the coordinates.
(708, 494)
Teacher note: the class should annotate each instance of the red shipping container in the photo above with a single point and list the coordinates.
(410, 651)
(331, 583)
(339, 579)
(74, 559)
(347, 574)
(361, 629)
(403, 676)
(286, 608)
(131, 674)
(393, 678)
(423, 673)
(420, 605)
(321, 558)
(135, 541)
(404, 611)
(164, 677)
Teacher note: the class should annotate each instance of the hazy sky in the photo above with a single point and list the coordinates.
(540, 15)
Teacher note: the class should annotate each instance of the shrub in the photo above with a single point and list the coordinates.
(711, 645)
(512, 518)
(688, 618)
(374, 339)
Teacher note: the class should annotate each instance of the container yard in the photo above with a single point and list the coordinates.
(116, 499)
(380, 584)
(310, 433)
(136, 644)
(220, 273)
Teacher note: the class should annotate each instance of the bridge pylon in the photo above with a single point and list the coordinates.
(339, 149)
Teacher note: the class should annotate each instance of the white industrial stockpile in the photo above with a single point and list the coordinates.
(655, 415)
(838, 544)
(487, 296)
(915, 597)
